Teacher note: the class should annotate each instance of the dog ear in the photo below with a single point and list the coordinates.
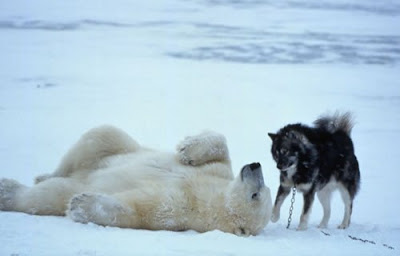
(272, 136)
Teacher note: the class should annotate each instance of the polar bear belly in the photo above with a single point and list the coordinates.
(134, 171)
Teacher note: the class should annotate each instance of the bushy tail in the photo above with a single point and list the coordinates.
(336, 122)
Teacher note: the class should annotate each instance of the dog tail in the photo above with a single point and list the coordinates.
(336, 122)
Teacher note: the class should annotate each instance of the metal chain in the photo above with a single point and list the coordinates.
(369, 241)
(291, 206)
(361, 240)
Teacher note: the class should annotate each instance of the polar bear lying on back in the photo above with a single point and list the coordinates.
(109, 179)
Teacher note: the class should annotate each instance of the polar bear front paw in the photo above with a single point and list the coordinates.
(184, 155)
(189, 151)
(100, 209)
(241, 232)
(80, 207)
(203, 148)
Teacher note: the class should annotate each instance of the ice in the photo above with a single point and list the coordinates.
(163, 70)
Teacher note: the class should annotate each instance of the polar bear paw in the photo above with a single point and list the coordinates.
(79, 208)
(241, 232)
(184, 156)
(96, 208)
(203, 148)
(8, 190)
(42, 178)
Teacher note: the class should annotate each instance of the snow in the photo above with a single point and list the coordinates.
(165, 70)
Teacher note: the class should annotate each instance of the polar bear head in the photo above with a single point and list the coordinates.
(248, 202)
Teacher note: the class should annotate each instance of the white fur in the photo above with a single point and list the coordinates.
(291, 170)
(288, 183)
(324, 196)
(347, 207)
(303, 187)
(276, 212)
(109, 179)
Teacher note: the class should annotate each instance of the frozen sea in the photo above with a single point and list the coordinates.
(162, 70)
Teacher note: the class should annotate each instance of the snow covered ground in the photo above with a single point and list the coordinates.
(162, 70)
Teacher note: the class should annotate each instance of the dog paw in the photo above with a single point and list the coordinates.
(322, 226)
(275, 217)
(302, 227)
(8, 190)
(343, 226)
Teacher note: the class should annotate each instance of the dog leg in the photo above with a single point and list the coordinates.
(283, 192)
(324, 197)
(348, 206)
(308, 201)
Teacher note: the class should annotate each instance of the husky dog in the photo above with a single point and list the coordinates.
(317, 159)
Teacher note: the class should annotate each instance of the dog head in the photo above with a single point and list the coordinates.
(287, 148)
(284, 151)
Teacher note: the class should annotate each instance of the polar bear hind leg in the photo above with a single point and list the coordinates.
(50, 197)
(8, 192)
(89, 152)
(204, 148)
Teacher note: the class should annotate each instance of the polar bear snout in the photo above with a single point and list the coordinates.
(252, 173)
(255, 166)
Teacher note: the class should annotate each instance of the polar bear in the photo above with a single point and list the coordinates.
(107, 178)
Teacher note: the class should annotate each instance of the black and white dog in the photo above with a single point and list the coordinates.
(317, 159)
